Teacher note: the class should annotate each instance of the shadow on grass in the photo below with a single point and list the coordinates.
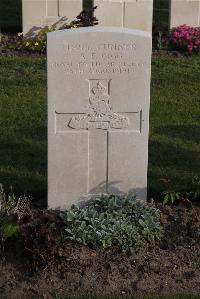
(162, 154)
(173, 155)
(23, 163)
(186, 133)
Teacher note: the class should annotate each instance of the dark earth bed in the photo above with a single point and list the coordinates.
(172, 266)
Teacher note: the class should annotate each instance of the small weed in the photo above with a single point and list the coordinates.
(159, 41)
(172, 196)
(12, 209)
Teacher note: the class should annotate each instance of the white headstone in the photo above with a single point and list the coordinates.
(98, 113)
(135, 14)
(37, 14)
(184, 12)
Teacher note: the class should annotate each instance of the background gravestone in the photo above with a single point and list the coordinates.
(184, 12)
(40, 13)
(98, 113)
(135, 14)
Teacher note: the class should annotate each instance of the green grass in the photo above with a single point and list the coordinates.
(23, 125)
(174, 150)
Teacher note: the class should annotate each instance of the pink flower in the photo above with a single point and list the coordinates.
(186, 38)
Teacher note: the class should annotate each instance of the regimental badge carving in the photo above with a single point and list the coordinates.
(100, 114)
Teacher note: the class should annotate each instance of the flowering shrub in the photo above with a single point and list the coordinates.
(185, 38)
(36, 43)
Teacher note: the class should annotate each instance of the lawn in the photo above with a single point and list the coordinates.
(174, 151)
(23, 151)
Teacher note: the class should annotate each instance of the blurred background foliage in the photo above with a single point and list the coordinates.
(11, 14)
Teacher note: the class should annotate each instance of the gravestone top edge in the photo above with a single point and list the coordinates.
(99, 29)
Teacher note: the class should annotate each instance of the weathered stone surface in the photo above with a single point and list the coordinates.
(185, 12)
(98, 113)
(135, 14)
(40, 13)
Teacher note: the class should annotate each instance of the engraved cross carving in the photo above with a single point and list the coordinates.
(100, 121)
(100, 114)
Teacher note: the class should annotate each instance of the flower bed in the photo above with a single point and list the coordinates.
(185, 38)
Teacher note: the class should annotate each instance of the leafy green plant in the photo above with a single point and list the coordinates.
(111, 220)
(171, 196)
(195, 194)
(9, 229)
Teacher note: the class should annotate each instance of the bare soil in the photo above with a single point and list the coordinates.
(171, 266)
